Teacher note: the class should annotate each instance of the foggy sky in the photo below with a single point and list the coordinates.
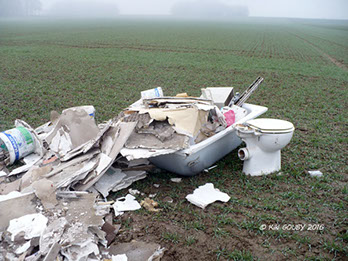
(323, 9)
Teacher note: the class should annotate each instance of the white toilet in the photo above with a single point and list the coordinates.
(264, 139)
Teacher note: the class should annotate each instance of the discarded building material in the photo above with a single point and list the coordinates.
(127, 203)
(138, 251)
(207, 194)
(221, 96)
(315, 173)
(176, 180)
(71, 154)
(247, 93)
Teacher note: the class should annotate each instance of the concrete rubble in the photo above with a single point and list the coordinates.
(54, 206)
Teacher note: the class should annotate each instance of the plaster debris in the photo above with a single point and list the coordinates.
(205, 195)
(127, 203)
(315, 173)
(176, 180)
(32, 225)
(122, 257)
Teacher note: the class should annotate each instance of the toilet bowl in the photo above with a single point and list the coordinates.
(264, 139)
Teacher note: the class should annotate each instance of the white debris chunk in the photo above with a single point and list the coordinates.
(176, 180)
(81, 251)
(32, 225)
(315, 173)
(23, 248)
(122, 257)
(133, 191)
(157, 255)
(127, 203)
(207, 194)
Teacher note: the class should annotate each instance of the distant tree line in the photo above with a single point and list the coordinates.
(19, 7)
(208, 9)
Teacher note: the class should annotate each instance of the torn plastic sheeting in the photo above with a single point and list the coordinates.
(127, 203)
(32, 225)
(205, 195)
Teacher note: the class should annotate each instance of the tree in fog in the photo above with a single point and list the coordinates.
(19, 7)
(208, 9)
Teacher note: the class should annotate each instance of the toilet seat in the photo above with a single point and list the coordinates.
(265, 125)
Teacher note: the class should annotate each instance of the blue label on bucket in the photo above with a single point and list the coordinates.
(14, 144)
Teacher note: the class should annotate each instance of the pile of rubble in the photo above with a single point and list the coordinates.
(54, 206)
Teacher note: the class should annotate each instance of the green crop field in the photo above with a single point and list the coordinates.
(50, 65)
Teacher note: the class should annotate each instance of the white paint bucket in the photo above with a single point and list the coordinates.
(19, 142)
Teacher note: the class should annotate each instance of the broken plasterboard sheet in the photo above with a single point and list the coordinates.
(121, 257)
(133, 154)
(207, 194)
(52, 234)
(131, 176)
(32, 225)
(187, 121)
(113, 141)
(16, 205)
(33, 174)
(83, 148)
(74, 173)
(127, 203)
(46, 192)
(109, 180)
(138, 251)
(220, 95)
(33, 158)
(162, 130)
(70, 132)
(81, 251)
(149, 141)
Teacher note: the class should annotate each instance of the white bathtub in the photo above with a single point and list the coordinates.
(200, 156)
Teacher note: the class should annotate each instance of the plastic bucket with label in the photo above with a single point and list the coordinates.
(19, 142)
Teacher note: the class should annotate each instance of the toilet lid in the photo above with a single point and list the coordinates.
(271, 125)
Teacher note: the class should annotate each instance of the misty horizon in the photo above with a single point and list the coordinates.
(195, 9)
